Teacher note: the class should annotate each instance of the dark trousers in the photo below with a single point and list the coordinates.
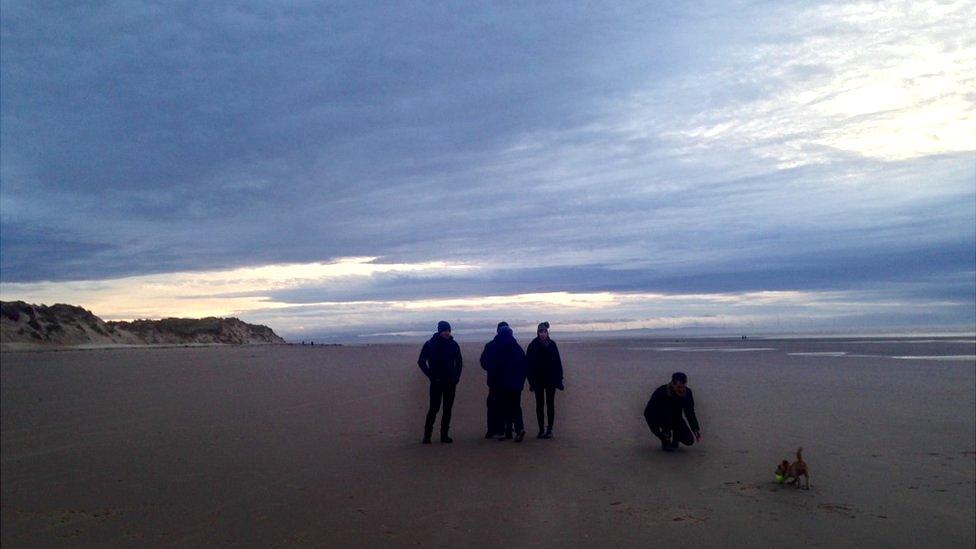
(545, 398)
(671, 429)
(511, 410)
(495, 420)
(439, 391)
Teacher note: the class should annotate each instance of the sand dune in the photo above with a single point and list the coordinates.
(24, 326)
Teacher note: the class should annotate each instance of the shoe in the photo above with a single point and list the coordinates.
(520, 436)
(666, 446)
(489, 434)
(548, 433)
(542, 434)
(446, 439)
(426, 440)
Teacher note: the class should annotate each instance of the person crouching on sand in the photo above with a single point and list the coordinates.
(440, 360)
(545, 373)
(664, 410)
(504, 361)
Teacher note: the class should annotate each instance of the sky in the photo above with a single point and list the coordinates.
(339, 170)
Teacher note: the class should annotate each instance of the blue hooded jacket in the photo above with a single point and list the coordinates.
(504, 360)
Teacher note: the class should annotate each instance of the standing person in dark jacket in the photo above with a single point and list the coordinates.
(440, 360)
(545, 373)
(496, 423)
(664, 410)
(504, 360)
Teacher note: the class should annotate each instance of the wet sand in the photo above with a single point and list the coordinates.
(291, 445)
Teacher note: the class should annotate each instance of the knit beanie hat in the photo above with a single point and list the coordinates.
(542, 326)
(443, 326)
(502, 324)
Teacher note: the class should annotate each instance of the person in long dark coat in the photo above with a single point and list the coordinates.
(545, 374)
(496, 423)
(440, 360)
(504, 360)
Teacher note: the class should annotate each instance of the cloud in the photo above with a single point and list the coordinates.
(734, 148)
(749, 312)
(379, 298)
(214, 293)
(873, 79)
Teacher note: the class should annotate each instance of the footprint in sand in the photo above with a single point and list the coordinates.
(839, 509)
(740, 488)
(79, 515)
(690, 519)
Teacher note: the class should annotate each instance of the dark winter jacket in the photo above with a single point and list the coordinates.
(545, 368)
(440, 360)
(663, 406)
(504, 361)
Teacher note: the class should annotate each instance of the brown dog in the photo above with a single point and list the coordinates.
(795, 470)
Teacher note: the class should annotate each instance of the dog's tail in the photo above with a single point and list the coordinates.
(799, 454)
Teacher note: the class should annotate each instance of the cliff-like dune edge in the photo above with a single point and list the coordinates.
(27, 325)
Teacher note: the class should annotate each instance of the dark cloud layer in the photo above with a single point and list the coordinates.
(547, 145)
(266, 122)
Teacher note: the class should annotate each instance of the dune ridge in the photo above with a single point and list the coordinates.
(27, 325)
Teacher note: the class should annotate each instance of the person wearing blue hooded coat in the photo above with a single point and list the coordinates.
(440, 360)
(504, 360)
(496, 423)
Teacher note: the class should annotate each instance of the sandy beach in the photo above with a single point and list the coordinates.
(320, 446)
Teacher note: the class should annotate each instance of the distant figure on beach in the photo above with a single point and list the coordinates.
(664, 414)
(440, 360)
(504, 360)
(545, 374)
(496, 423)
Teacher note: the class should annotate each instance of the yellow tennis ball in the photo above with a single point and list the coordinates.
(780, 478)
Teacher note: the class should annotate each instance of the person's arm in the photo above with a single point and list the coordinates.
(521, 365)
(558, 366)
(690, 414)
(653, 410)
(530, 370)
(649, 408)
(484, 358)
(422, 361)
(460, 362)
